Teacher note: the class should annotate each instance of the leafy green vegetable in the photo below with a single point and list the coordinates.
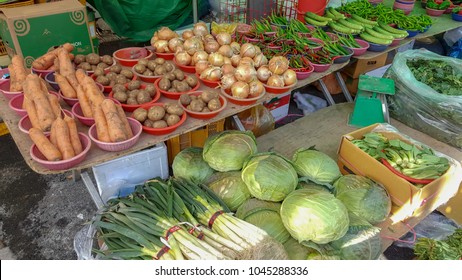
(188, 164)
(229, 187)
(448, 249)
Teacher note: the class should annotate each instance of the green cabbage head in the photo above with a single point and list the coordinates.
(229, 187)
(189, 164)
(316, 166)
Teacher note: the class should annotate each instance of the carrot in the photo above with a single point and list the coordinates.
(32, 88)
(102, 129)
(65, 64)
(44, 145)
(95, 96)
(80, 75)
(84, 103)
(114, 123)
(54, 102)
(53, 135)
(31, 112)
(72, 80)
(63, 139)
(66, 89)
(45, 61)
(20, 72)
(127, 128)
(56, 65)
(73, 134)
(15, 85)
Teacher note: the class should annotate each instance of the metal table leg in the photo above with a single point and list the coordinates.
(345, 91)
(92, 190)
(326, 92)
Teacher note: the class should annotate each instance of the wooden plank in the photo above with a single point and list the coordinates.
(324, 129)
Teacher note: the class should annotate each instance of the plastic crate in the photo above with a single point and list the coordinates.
(194, 138)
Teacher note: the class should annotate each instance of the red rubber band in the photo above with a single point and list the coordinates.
(193, 229)
(214, 217)
(171, 230)
(162, 252)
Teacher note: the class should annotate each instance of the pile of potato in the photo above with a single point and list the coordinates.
(116, 75)
(92, 61)
(156, 67)
(159, 116)
(133, 93)
(177, 81)
(207, 101)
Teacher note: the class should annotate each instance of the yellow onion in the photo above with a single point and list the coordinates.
(193, 45)
(200, 28)
(260, 59)
(161, 46)
(235, 47)
(174, 43)
(178, 49)
(208, 38)
(275, 81)
(256, 88)
(166, 33)
(248, 50)
(290, 77)
(183, 58)
(187, 34)
(247, 61)
(257, 50)
(263, 73)
(211, 46)
(226, 50)
(245, 73)
(199, 55)
(201, 65)
(216, 59)
(278, 64)
(227, 60)
(227, 81)
(235, 59)
(228, 69)
(211, 74)
(240, 90)
(223, 38)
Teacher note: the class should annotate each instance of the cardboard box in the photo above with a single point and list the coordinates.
(331, 83)
(32, 30)
(361, 66)
(279, 105)
(408, 199)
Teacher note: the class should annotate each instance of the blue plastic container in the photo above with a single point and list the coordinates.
(376, 47)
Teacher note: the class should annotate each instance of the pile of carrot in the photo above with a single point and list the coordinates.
(111, 123)
(48, 60)
(18, 73)
(65, 74)
(43, 108)
(64, 142)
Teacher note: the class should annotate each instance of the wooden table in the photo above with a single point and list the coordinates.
(324, 129)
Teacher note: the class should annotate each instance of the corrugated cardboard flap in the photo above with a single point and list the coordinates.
(41, 9)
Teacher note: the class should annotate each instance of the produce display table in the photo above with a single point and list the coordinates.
(324, 129)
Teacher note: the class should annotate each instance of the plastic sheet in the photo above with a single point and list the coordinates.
(419, 106)
(456, 50)
(258, 119)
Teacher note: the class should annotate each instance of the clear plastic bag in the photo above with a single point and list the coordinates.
(258, 119)
(421, 107)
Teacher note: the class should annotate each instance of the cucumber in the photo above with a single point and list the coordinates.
(342, 28)
(330, 15)
(317, 17)
(336, 13)
(383, 31)
(315, 22)
(359, 23)
(351, 24)
(393, 30)
(375, 40)
(366, 21)
(379, 35)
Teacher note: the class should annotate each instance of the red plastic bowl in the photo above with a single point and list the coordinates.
(5, 89)
(318, 68)
(278, 90)
(77, 112)
(166, 56)
(41, 73)
(316, 40)
(62, 164)
(185, 68)
(301, 75)
(210, 84)
(130, 56)
(240, 101)
(409, 179)
(119, 146)
(108, 89)
(17, 101)
(205, 115)
(433, 12)
(131, 108)
(359, 51)
(174, 95)
(24, 123)
(144, 78)
(165, 130)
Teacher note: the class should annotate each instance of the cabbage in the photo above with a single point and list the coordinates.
(265, 215)
(188, 164)
(363, 197)
(316, 166)
(229, 187)
(309, 251)
(311, 185)
(314, 215)
(228, 150)
(269, 176)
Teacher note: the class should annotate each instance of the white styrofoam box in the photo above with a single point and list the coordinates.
(118, 178)
(279, 105)
(379, 72)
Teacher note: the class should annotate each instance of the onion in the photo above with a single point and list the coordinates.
(187, 34)
(166, 33)
(290, 77)
(201, 65)
(278, 65)
(247, 61)
(260, 59)
(208, 37)
(183, 58)
(227, 81)
(199, 55)
(245, 73)
(263, 73)
(226, 50)
(216, 59)
(275, 81)
(235, 47)
(211, 46)
(223, 38)
(248, 50)
(240, 90)
(256, 88)
(200, 28)
(193, 45)
(235, 59)
(228, 69)
(211, 74)
(161, 46)
(257, 50)
(227, 60)
(174, 43)
(178, 49)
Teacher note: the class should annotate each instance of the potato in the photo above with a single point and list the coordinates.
(159, 124)
(93, 58)
(148, 123)
(131, 101)
(156, 113)
(119, 87)
(148, 73)
(208, 95)
(214, 104)
(152, 65)
(133, 93)
(99, 72)
(175, 109)
(143, 97)
(205, 110)
(169, 66)
(159, 61)
(151, 89)
(103, 80)
(185, 99)
(102, 65)
(170, 76)
(112, 83)
(140, 114)
(107, 59)
(172, 119)
(164, 84)
(120, 79)
(182, 87)
(139, 68)
(178, 74)
(79, 59)
(127, 73)
(191, 80)
(134, 85)
(197, 105)
(143, 61)
(115, 68)
(160, 70)
(85, 66)
(93, 67)
(111, 76)
(120, 96)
